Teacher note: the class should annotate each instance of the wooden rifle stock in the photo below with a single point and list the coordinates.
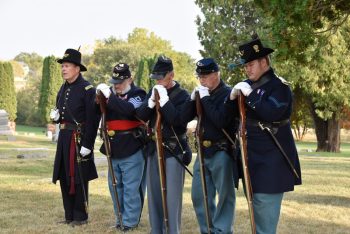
(199, 140)
(244, 153)
(161, 160)
(103, 103)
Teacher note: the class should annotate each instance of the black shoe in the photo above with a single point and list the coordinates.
(78, 223)
(126, 228)
(115, 226)
(64, 222)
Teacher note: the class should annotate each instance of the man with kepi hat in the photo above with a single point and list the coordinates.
(74, 161)
(273, 161)
(176, 149)
(126, 138)
(218, 152)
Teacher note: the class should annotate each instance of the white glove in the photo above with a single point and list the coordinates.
(203, 91)
(104, 89)
(193, 94)
(234, 93)
(151, 102)
(163, 95)
(54, 114)
(244, 87)
(84, 151)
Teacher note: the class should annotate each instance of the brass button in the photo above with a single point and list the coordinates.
(111, 133)
(206, 143)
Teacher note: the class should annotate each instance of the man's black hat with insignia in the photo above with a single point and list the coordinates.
(206, 66)
(253, 50)
(72, 56)
(161, 68)
(121, 72)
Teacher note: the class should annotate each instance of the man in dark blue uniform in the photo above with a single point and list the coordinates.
(219, 163)
(172, 98)
(78, 127)
(268, 104)
(127, 141)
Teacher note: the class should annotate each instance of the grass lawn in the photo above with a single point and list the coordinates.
(30, 203)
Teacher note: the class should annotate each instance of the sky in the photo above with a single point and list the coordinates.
(49, 27)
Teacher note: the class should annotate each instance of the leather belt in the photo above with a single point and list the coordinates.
(116, 132)
(170, 139)
(210, 143)
(256, 123)
(70, 126)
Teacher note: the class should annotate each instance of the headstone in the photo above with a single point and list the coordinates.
(5, 129)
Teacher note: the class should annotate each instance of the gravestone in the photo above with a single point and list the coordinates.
(5, 129)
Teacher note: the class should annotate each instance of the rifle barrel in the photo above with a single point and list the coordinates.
(244, 153)
(199, 139)
(102, 101)
(161, 160)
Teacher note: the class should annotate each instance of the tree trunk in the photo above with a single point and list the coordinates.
(327, 133)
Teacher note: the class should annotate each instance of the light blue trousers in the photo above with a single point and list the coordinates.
(219, 178)
(128, 172)
(267, 209)
(175, 175)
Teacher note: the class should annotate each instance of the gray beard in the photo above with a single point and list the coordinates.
(127, 89)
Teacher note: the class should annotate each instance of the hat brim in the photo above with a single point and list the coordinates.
(116, 81)
(264, 52)
(205, 72)
(157, 76)
(82, 67)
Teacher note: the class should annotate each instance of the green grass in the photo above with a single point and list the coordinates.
(25, 130)
(30, 203)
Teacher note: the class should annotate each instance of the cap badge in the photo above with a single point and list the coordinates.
(256, 48)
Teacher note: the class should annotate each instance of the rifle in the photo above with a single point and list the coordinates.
(247, 186)
(199, 140)
(79, 159)
(161, 160)
(102, 101)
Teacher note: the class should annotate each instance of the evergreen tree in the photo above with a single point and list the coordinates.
(50, 84)
(10, 92)
(3, 88)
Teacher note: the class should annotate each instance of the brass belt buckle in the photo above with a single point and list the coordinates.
(62, 126)
(111, 133)
(206, 143)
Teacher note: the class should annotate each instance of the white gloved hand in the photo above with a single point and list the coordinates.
(54, 114)
(163, 95)
(234, 93)
(104, 89)
(193, 94)
(244, 87)
(203, 91)
(84, 151)
(151, 102)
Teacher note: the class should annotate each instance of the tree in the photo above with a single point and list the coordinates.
(11, 92)
(143, 72)
(28, 113)
(50, 85)
(7, 90)
(3, 88)
(223, 27)
(140, 44)
(295, 25)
